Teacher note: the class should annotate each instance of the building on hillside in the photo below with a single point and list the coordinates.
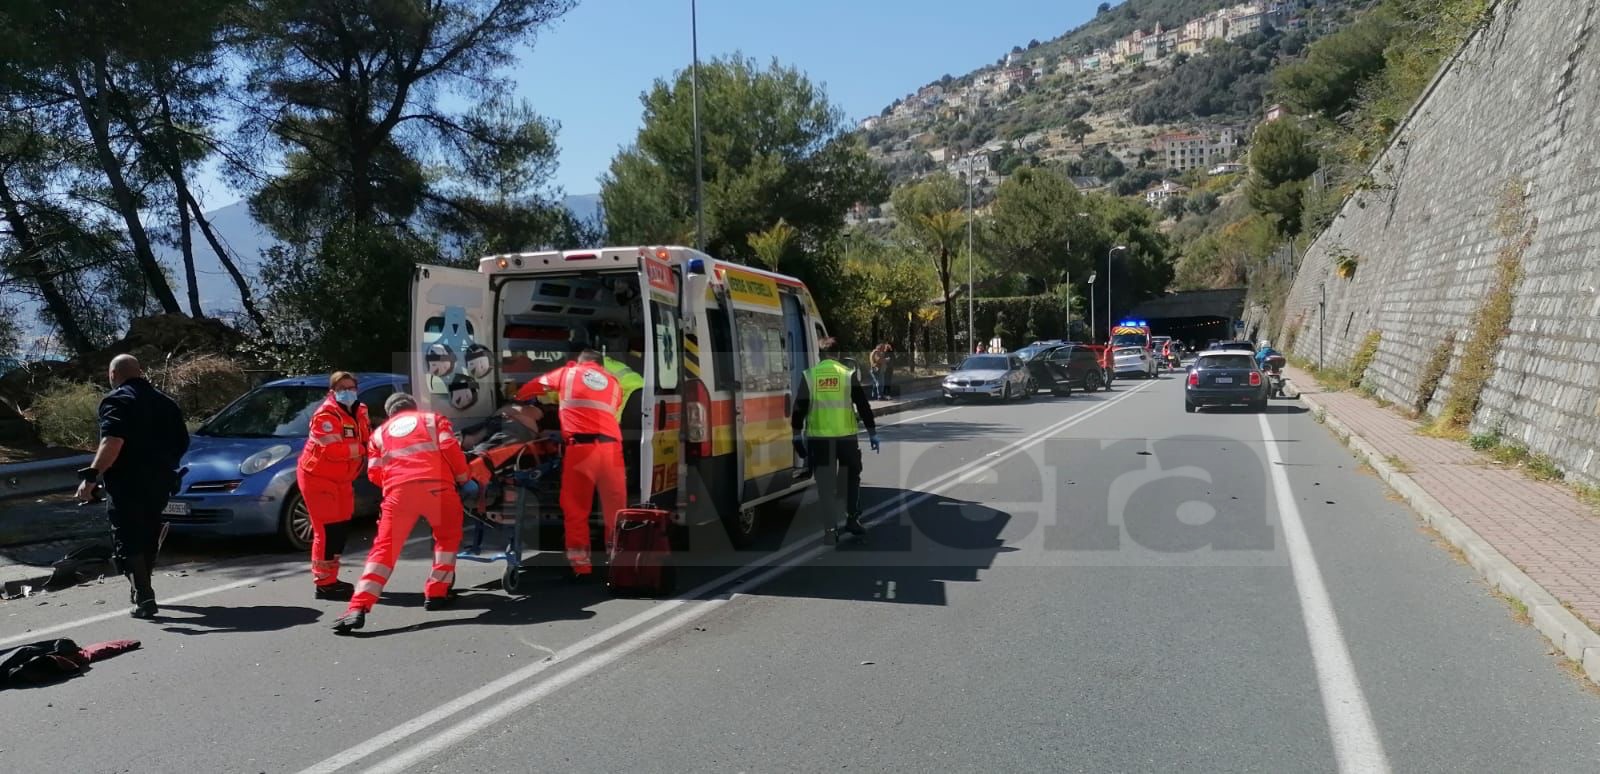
(1226, 168)
(939, 155)
(1196, 150)
(931, 90)
(1158, 194)
(1092, 62)
(1275, 112)
(870, 123)
(972, 165)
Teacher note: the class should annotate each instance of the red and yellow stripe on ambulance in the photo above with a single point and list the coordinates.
(767, 440)
(664, 443)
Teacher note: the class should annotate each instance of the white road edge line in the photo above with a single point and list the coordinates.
(777, 564)
(47, 631)
(1356, 743)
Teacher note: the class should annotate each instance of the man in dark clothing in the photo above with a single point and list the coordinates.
(142, 441)
(827, 405)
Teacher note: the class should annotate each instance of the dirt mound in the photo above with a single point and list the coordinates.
(157, 341)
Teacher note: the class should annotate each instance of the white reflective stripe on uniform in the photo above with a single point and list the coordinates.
(444, 558)
(412, 450)
(442, 576)
(372, 587)
(588, 404)
(380, 570)
(324, 440)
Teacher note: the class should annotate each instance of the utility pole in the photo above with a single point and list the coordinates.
(1322, 324)
(1093, 334)
(1109, 255)
(972, 331)
(694, 86)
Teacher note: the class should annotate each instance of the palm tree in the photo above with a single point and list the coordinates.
(773, 244)
(939, 234)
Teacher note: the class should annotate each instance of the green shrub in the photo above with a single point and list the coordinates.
(68, 414)
(1484, 441)
(1545, 469)
(1363, 358)
(1492, 321)
(1433, 373)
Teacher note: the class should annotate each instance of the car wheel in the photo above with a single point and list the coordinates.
(1092, 383)
(949, 400)
(294, 526)
(1188, 407)
(1260, 406)
(1031, 388)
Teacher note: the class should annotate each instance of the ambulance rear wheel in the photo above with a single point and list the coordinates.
(511, 581)
(744, 527)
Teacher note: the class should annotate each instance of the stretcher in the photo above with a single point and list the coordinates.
(508, 483)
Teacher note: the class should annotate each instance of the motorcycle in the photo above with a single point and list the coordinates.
(1275, 364)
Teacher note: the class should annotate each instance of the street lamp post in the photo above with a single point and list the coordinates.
(694, 85)
(1109, 308)
(1092, 332)
(972, 330)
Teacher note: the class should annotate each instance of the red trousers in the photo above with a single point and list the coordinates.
(403, 504)
(331, 504)
(585, 468)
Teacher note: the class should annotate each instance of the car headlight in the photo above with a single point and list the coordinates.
(263, 459)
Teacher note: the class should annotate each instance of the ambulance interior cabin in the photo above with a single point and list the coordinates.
(546, 321)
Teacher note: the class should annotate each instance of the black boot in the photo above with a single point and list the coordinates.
(339, 591)
(852, 525)
(350, 621)
(141, 593)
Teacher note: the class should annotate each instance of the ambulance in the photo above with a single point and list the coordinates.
(723, 349)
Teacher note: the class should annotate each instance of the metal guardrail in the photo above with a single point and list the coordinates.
(25, 479)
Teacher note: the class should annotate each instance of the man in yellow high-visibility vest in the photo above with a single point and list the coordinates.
(829, 402)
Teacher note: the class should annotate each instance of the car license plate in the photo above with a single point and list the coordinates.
(1224, 380)
(176, 508)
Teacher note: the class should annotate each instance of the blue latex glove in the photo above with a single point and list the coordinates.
(872, 439)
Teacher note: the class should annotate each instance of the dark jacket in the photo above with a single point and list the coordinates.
(154, 437)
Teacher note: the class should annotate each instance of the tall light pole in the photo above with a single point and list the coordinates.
(1092, 335)
(694, 86)
(972, 331)
(1109, 255)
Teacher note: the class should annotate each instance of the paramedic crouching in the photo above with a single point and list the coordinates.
(830, 400)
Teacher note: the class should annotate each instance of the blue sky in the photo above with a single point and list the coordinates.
(588, 71)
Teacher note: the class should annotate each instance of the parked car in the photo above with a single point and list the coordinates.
(1135, 362)
(1071, 366)
(1225, 378)
(1001, 377)
(241, 462)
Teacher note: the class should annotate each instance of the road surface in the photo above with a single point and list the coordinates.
(1094, 583)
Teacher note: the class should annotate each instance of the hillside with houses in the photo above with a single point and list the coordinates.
(1142, 100)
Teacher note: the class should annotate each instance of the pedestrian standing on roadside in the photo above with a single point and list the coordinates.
(142, 440)
(326, 474)
(875, 361)
(888, 371)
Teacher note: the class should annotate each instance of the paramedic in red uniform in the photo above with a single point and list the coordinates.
(589, 399)
(327, 473)
(417, 462)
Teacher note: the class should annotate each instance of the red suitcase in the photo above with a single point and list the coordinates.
(640, 564)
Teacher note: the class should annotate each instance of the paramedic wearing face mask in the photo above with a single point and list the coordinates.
(326, 473)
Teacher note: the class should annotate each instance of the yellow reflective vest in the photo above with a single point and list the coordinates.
(831, 414)
(629, 379)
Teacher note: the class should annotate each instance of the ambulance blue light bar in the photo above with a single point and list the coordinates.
(697, 266)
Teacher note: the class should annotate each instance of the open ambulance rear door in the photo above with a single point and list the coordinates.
(661, 421)
(454, 363)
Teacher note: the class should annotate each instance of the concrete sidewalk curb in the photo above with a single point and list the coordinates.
(906, 405)
(1570, 634)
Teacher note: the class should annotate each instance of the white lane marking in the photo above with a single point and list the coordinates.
(1356, 743)
(918, 417)
(777, 564)
(94, 619)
